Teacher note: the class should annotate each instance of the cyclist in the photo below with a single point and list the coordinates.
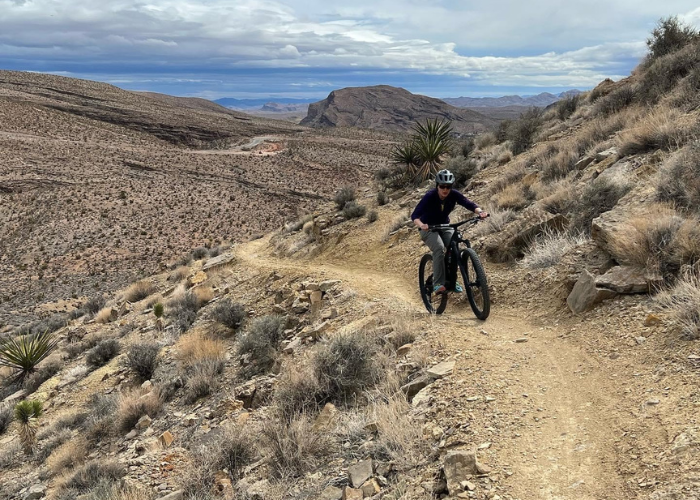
(434, 208)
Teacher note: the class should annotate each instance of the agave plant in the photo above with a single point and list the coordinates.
(407, 155)
(25, 352)
(26, 412)
(431, 143)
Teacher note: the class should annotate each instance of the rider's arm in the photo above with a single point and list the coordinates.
(419, 211)
(469, 204)
(421, 225)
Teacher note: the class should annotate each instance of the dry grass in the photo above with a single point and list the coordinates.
(549, 248)
(133, 405)
(599, 196)
(484, 141)
(557, 197)
(139, 291)
(682, 302)
(295, 447)
(104, 316)
(512, 173)
(298, 392)
(678, 180)
(665, 128)
(513, 197)
(559, 165)
(399, 438)
(179, 274)
(68, 455)
(601, 129)
(195, 347)
(497, 220)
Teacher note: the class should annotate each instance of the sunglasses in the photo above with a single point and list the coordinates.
(445, 186)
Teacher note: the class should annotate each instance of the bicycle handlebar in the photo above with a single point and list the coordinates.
(473, 220)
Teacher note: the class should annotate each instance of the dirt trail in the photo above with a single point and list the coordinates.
(546, 408)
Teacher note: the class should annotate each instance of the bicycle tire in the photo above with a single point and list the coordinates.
(434, 303)
(477, 291)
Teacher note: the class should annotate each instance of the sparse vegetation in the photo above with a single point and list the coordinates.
(260, 344)
(679, 179)
(549, 248)
(463, 169)
(343, 196)
(102, 353)
(352, 210)
(295, 447)
(139, 291)
(599, 196)
(22, 354)
(143, 359)
(567, 106)
(663, 129)
(372, 216)
(670, 35)
(134, 405)
(522, 132)
(47, 369)
(93, 473)
(682, 301)
(229, 314)
(382, 198)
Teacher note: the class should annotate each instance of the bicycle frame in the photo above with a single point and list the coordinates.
(453, 253)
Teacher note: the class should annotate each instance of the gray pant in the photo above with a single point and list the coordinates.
(437, 241)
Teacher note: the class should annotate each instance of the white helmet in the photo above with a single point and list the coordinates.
(444, 177)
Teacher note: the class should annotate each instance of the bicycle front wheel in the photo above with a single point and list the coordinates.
(435, 303)
(475, 284)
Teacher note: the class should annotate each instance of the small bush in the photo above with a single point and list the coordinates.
(670, 35)
(486, 140)
(382, 174)
(615, 101)
(295, 447)
(372, 216)
(664, 73)
(104, 316)
(549, 248)
(23, 354)
(347, 364)
(179, 274)
(6, 417)
(102, 415)
(52, 442)
(298, 393)
(46, 370)
(352, 210)
(69, 454)
(91, 474)
(559, 165)
(194, 347)
(199, 253)
(514, 197)
(382, 198)
(598, 197)
(92, 306)
(102, 353)
(134, 405)
(184, 308)
(682, 301)
(468, 147)
(678, 181)
(463, 169)
(664, 129)
(260, 343)
(202, 379)
(143, 359)
(495, 223)
(139, 291)
(158, 309)
(522, 131)
(567, 106)
(229, 314)
(343, 196)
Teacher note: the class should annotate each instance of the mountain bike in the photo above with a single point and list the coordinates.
(458, 255)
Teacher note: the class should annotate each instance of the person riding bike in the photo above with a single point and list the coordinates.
(434, 208)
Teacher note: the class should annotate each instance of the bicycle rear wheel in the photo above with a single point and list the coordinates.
(475, 284)
(435, 303)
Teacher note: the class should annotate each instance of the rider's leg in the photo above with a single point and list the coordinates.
(436, 243)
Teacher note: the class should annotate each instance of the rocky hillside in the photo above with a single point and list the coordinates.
(541, 100)
(389, 108)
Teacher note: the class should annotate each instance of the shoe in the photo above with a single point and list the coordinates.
(458, 288)
(439, 289)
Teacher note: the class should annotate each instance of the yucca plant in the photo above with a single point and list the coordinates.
(26, 412)
(24, 353)
(432, 142)
(406, 155)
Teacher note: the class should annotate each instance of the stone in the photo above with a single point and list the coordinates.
(586, 295)
(459, 465)
(144, 422)
(242, 419)
(441, 369)
(329, 314)
(652, 320)
(331, 493)
(292, 346)
(521, 340)
(370, 488)
(324, 286)
(352, 494)
(628, 280)
(326, 418)
(360, 472)
(166, 439)
(316, 297)
(316, 332)
(147, 386)
(36, 491)
(412, 388)
(222, 483)
(468, 486)
(583, 162)
(403, 350)
(175, 495)
(218, 261)
(299, 306)
(190, 420)
(604, 155)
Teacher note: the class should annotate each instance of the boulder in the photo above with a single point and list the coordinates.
(360, 472)
(35, 492)
(459, 466)
(412, 388)
(326, 418)
(218, 261)
(166, 439)
(629, 279)
(175, 495)
(586, 295)
(331, 493)
(352, 494)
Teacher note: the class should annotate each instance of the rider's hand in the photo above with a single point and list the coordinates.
(483, 214)
(424, 227)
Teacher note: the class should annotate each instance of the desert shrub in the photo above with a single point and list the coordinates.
(91, 474)
(382, 174)
(143, 359)
(22, 354)
(495, 223)
(667, 72)
(52, 442)
(463, 169)
(486, 140)
(260, 344)
(344, 195)
(229, 313)
(682, 301)
(215, 251)
(467, 147)
(298, 224)
(50, 324)
(295, 447)
(678, 180)
(399, 439)
(601, 129)
(510, 175)
(134, 405)
(139, 291)
(548, 249)
(179, 274)
(158, 309)
(382, 198)
(93, 305)
(372, 216)
(46, 370)
(522, 131)
(567, 106)
(69, 454)
(102, 410)
(298, 393)
(352, 210)
(202, 378)
(347, 364)
(514, 197)
(231, 450)
(6, 417)
(194, 347)
(663, 129)
(598, 197)
(199, 253)
(670, 35)
(102, 353)
(183, 309)
(559, 165)
(615, 101)
(503, 131)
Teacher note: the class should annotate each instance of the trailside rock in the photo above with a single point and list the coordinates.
(459, 466)
(585, 294)
(441, 369)
(360, 472)
(36, 491)
(331, 493)
(628, 279)
(412, 388)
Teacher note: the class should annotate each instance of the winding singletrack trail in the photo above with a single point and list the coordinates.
(545, 413)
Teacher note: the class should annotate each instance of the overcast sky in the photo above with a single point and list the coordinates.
(306, 48)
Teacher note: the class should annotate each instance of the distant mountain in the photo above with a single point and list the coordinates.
(540, 100)
(276, 107)
(389, 108)
(232, 103)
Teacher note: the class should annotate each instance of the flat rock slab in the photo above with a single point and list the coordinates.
(441, 369)
(331, 493)
(629, 279)
(360, 472)
(459, 466)
(218, 261)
